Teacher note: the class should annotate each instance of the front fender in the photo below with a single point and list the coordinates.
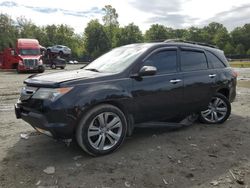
(96, 94)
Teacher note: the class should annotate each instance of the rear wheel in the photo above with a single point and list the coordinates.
(101, 130)
(218, 111)
(53, 66)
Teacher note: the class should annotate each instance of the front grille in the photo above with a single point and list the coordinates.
(30, 62)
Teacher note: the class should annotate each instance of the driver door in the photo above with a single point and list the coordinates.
(159, 96)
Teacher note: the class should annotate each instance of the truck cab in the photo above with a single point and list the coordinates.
(25, 57)
(29, 53)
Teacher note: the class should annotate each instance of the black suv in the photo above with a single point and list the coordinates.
(100, 103)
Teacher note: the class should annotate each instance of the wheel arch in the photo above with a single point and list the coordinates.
(224, 91)
(129, 117)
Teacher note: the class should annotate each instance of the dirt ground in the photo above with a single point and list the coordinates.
(196, 156)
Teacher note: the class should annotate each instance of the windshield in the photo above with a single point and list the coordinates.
(118, 59)
(29, 51)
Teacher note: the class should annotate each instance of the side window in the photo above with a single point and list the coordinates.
(214, 61)
(193, 60)
(164, 61)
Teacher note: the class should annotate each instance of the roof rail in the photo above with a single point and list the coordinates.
(190, 42)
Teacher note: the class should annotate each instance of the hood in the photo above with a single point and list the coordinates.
(54, 79)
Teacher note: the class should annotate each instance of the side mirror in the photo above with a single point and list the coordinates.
(147, 71)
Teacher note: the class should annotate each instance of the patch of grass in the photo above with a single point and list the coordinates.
(240, 64)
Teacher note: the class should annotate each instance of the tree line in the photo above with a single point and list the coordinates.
(99, 38)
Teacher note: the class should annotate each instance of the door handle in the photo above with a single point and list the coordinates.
(212, 75)
(175, 81)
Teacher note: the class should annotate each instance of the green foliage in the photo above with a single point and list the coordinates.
(195, 34)
(240, 49)
(110, 16)
(96, 41)
(8, 32)
(128, 35)
(156, 33)
(248, 51)
(229, 49)
(111, 24)
(221, 38)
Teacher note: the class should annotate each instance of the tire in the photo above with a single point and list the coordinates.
(62, 67)
(41, 69)
(53, 66)
(95, 133)
(219, 109)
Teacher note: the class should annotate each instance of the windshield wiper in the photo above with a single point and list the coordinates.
(94, 70)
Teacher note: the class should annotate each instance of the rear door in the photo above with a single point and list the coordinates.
(199, 80)
(159, 96)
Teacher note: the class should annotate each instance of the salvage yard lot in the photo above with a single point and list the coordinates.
(196, 156)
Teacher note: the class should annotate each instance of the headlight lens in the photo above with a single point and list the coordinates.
(40, 62)
(51, 93)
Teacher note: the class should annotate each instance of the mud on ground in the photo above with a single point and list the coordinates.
(197, 156)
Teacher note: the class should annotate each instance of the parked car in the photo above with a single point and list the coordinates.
(101, 103)
(59, 49)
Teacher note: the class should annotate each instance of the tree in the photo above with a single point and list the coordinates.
(212, 29)
(96, 41)
(241, 35)
(110, 20)
(110, 16)
(156, 33)
(128, 35)
(221, 38)
(229, 49)
(195, 34)
(8, 32)
(180, 33)
(240, 50)
(248, 51)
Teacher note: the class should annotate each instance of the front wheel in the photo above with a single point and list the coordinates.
(41, 69)
(219, 109)
(101, 130)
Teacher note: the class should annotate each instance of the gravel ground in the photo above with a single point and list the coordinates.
(196, 156)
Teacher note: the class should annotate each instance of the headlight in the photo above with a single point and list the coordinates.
(40, 62)
(50, 93)
(20, 62)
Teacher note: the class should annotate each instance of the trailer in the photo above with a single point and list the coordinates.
(53, 60)
(25, 57)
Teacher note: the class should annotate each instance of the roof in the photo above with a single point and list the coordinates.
(27, 43)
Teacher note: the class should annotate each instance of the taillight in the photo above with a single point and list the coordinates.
(235, 74)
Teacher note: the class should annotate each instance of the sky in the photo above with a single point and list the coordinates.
(171, 13)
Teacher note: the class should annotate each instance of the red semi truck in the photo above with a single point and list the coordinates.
(26, 56)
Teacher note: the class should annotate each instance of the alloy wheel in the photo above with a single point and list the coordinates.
(217, 110)
(105, 131)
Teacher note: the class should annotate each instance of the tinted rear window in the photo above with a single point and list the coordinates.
(214, 61)
(193, 60)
